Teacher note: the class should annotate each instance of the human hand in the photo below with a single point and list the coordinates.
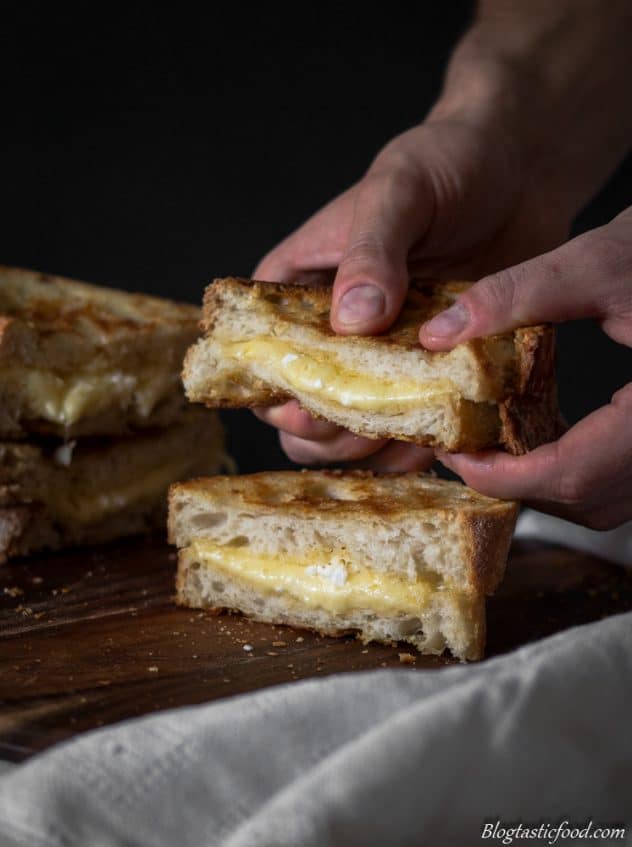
(585, 476)
(424, 208)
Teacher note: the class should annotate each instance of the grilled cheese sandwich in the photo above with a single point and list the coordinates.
(94, 490)
(79, 359)
(391, 557)
(267, 343)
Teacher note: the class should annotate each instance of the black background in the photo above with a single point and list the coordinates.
(153, 151)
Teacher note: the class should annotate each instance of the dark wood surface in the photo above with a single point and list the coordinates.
(90, 637)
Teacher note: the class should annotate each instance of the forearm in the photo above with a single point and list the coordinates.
(551, 78)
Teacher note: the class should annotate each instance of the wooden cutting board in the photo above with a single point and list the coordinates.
(90, 637)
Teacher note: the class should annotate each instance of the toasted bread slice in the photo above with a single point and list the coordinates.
(79, 359)
(393, 557)
(56, 495)
(267, 343)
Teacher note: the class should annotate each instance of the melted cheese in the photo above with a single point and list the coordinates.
(85, 507)
(326, 581)
(320, 375)
(64, 400)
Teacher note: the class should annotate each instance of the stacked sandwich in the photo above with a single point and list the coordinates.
(94, 425)
(392, 557)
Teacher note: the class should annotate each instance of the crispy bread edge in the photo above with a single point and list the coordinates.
(530, 416)
(490, 535)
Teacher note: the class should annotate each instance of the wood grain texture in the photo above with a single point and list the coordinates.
(90, 637)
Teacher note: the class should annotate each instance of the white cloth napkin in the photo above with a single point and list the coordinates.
(393, 757)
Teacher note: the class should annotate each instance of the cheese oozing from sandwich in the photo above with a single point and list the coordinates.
(318, 374)
(65, 399)
(325, 581)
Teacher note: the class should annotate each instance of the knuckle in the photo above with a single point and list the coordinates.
(600, 251)
(366, 247)
(394, 182)
(572, 487)
(396, 159)
(569, 483)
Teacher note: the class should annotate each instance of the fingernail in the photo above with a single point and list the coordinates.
(451, 322)
(360, 304)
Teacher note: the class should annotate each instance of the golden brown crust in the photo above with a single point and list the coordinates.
(517, 367)
(53, 322)
(56, 304)
(310, 306)
(490, 538)
(530, 416)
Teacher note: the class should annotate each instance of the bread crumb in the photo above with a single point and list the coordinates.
(279, 644)
(248, 648)
(153, 668)
(13, 591)
(365, 651)
(407, 658)
(300, 639)
(271, 653)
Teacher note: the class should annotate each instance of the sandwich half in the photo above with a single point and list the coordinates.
(267, 343)
(55, 494)
(79, 359)
(393, 557)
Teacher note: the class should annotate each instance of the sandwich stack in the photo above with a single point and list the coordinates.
(94, 425)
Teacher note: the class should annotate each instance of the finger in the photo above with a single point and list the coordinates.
(398, 456)
(586, 277)
(345, 447)
(292, 419)
(586, 476)
(392, 210)
(316, 245)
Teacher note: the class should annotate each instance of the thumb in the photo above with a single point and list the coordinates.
(392, 211)
(577, 280)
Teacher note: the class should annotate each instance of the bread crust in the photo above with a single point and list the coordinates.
(516, 369)
(530, 415)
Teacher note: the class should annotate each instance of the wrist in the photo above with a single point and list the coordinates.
(546, 80)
